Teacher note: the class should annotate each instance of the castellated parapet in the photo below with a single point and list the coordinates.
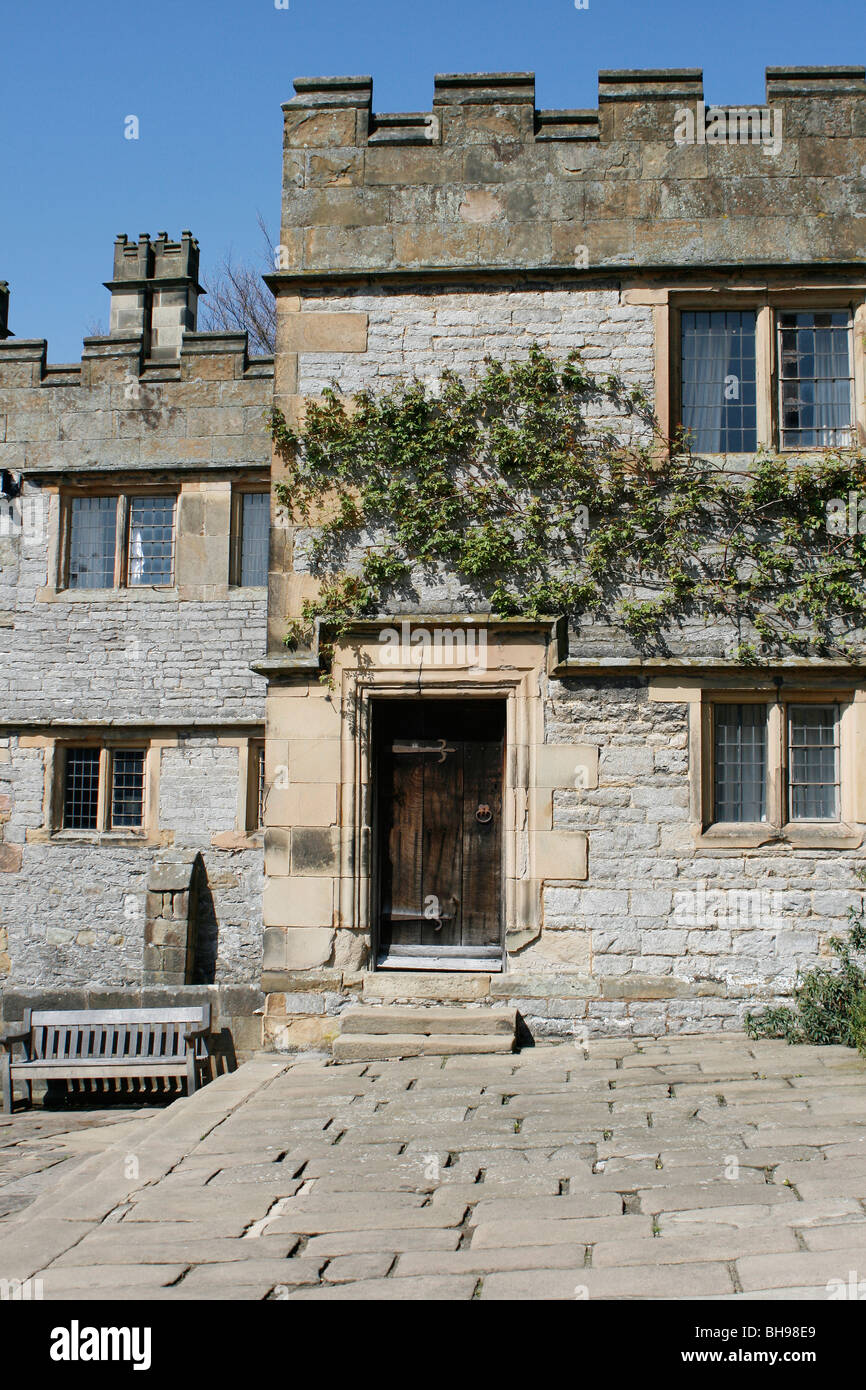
(485, 180)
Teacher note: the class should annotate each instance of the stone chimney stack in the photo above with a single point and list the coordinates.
(155, 291)
(4, 310)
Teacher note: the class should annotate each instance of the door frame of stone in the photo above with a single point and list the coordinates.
(516, 672)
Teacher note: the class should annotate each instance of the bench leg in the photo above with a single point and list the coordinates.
(6, 1081)
(190, 1072)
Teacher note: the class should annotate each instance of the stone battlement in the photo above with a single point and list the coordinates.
(214, 356)
(840, 84)
(152, 335)
(650, 177)
(159, 259)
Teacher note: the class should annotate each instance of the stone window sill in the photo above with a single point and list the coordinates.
(161, 594)
(110, 838)
(795, 835)
(203, 592)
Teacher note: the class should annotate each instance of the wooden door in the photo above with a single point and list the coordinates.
(439, 791)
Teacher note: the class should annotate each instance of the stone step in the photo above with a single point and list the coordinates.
(430, 1021)
(378, 1047)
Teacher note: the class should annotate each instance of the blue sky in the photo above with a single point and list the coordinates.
(206, 79)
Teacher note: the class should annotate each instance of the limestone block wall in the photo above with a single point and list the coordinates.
(171, 668)
(116, 409)
(121, 655)
(656, 907)
(416, 334)
(369, 338)
(73, 911)
(656, 933)
(196, 426)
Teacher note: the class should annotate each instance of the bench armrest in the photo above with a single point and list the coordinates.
(12, 1035)
(192, 1034)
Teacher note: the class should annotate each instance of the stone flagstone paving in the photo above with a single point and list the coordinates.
(708, 1167)
(37, 1145)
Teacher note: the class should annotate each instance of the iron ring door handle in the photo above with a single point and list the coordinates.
(483, 815)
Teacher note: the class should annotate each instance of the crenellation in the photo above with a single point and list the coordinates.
(503, 184)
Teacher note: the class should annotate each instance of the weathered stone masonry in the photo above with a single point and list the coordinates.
(158, 406)
(409, 243)
(432, 239)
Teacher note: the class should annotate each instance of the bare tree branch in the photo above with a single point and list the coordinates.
(238, 300)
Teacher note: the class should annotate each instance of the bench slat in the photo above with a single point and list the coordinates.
(193, 1013)
(43, 1070)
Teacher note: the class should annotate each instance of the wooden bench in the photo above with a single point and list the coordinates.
(102, 1044)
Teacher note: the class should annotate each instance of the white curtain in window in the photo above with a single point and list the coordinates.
(136, 557)
(832, 390)
(704, 399)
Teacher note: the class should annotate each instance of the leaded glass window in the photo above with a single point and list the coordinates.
(127, 789)
(740, 762)
(261, 787)
(718, 380)
(151, 541)
(81, 789)
(255, 521)
(813, 762)
(92, 538)
(815, 379)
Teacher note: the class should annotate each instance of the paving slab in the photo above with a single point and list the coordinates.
(345, 1269)
(426, 1290)
(810, 1267)
(377, 1242)
(635, 1281)
(717, 1168)
(497, 1234)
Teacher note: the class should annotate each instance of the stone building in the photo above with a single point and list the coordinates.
(623, 844)
(133, 572)
(603, 867)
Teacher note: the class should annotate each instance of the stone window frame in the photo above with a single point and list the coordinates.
(248, 833)
(108, 744)
(124, 493)
(256, 786)
(240, 489)
(777, 694)
(767, 304)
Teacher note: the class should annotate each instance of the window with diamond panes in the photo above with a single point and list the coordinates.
(81, 789)
(718, 380)
(92, 539)
(813, 762)
(815, 379)
(127, 789)
(740, 762)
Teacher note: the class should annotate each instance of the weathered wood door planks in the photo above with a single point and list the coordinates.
(439, 789)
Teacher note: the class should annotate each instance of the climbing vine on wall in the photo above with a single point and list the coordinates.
(521, 484)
